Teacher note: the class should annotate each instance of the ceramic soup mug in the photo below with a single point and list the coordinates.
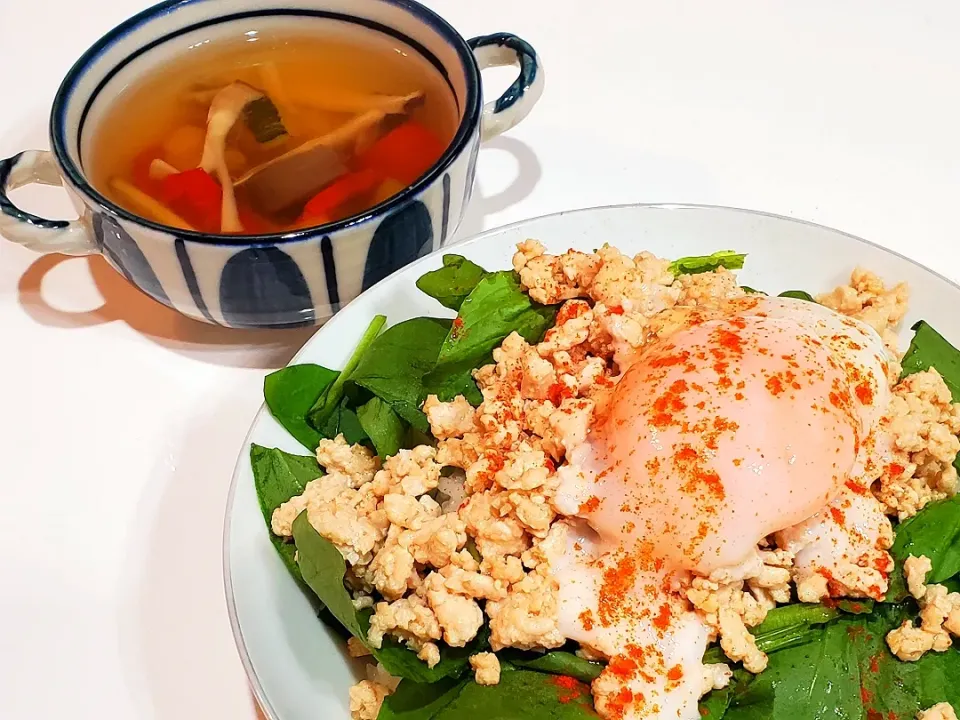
(281, 280)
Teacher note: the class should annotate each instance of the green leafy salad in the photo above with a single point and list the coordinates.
(828, 660)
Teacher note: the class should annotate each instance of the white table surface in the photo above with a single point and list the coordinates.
(121, 421)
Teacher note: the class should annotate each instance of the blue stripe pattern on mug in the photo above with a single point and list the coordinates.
(123, 253)
(401, 238)
(190, 277)
(264, 286)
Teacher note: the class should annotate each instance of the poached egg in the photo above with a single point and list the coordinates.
(748, 421)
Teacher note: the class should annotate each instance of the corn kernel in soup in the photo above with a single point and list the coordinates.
(274, 132)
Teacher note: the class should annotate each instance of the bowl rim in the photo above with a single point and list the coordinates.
(252, 678)
(466, 129)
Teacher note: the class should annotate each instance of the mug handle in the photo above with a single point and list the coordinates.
(68, 237)
(517, 101)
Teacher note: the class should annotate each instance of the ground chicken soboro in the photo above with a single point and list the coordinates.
(408, 556)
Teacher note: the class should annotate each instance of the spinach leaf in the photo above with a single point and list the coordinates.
(928, 348)
(451, 284)
(323, 569)
(418, 701)
(279, 476)
(394, 367)
(328, 402)
(895, 689)
(447, 384)
(522, 695)
(856, 607)
(344, 421)
(811, 681)
(846, 671)
(496, 307)
(291, 392)
(751, 291)
(785, 626)
(557, 662)
(403, 662)
(714, 705)
(382, 425)
(696, 264)
(798, 295)
(934, 532)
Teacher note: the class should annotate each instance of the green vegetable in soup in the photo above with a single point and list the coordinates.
(263, 119)
(451, 284)
(696, 264)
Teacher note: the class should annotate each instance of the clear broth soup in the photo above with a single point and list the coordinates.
(274, 132)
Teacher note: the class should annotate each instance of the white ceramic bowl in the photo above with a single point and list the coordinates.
(297, 668)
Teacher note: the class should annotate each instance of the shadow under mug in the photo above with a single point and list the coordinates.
(282, 280)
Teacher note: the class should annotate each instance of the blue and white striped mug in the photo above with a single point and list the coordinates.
(297, 278)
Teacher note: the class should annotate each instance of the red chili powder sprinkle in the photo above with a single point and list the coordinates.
(675, 673)
(456, 328)
(662, 620)
(875, 664)
(616, 310)
(571, 689)
(618, 582)
(623, 667)
(670, 360)
(586, 619)
(864, 393)
(729, 340)
(591, 505)
(855, 488)
(837, 515)
(894, 469)
(775, 385)
(572, 310)
(558, 392)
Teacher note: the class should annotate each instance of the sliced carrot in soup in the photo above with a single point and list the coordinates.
(322, 207)
(404, 153)
(195, 196)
